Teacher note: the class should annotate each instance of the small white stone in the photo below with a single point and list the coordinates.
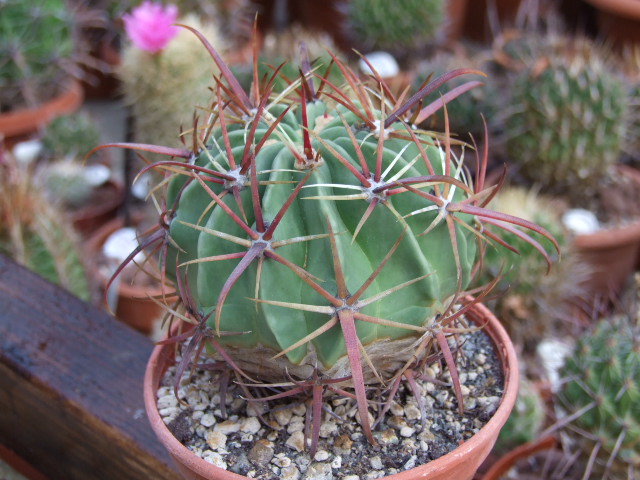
(166, 401)
(250, 425)
(216, 440)
(412, 412)
(336, 463)
(411, 463)
(296, 441)
(480, 358)
(580, 221)
(384, 63)
(227, 427)
(169, 411)
(407, 431)
(27, 152)
(290, 473)
(281, 460)
(215, 459)
(328, 429)
(207, 420)
(321, 456)
(376, 463)
(319, 471)
(297, 426)
(283, 416)
(351, 477)
(396, 409)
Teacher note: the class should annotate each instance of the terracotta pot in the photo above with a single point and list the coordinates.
(134, 308)
(18, 125)
(523, 452)
(613, 253)
(91, 217)
(459, 464)
(618, 20)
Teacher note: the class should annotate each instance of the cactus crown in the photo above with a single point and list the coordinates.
(36, 51)
(569, 120)
(603, 392)
(315, 233)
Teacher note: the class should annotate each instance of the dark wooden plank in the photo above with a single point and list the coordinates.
(71, 385)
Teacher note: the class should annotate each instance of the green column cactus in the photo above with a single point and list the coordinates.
(569, 119)
(315, 233)
(603, 393)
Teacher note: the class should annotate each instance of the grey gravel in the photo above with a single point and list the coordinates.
(267, 442)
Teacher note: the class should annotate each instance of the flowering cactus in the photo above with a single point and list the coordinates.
(315, 233)
(150, 26)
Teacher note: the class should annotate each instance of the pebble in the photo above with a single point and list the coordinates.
(283, 416)
(319, 471)
(321, 456)
(207, 420)
(376, 463)
(290, 473)
(215, 459)
(250, 425)
(261, 453)
(296, 441)
(227, 427)
(216, 440)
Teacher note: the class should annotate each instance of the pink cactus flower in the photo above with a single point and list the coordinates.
(149, 26)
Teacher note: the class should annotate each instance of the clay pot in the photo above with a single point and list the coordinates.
(518, 454)
(459, 464)
(134, 308)
(19, 125)
(618, 20)
(612, 254)
(108, 199)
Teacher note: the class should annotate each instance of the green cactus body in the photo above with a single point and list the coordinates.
(604, 373)
(394, 26)
(569, 121)
(278, 328)
(35, 50)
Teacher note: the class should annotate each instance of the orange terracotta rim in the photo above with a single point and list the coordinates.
(461, 463)
(623, 8)
(27, 120)
(614, 237)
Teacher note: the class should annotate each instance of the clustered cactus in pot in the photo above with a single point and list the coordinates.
(321, 245)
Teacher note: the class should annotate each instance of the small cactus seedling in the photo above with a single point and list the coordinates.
(315, 234)
(569, 119)
(602, 395)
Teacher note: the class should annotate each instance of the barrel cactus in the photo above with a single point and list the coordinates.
(569, 119)
(602, 395)
(314, 234)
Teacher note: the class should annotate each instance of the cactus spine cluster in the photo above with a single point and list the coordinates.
(394, 26)
(36, 48)
(569, 118)
(603, 392)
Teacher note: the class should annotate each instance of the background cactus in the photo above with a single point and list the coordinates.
(315, 234)
(70, 136)
(36, 51)
(602, 392)
(569, 118)
(526, 420)
(537, 303)
(165, 88)
(397, 27)
(35, 234)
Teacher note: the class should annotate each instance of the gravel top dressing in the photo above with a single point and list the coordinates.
(267, 441)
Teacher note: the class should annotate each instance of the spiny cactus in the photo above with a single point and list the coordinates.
(397, 27)
(569, 119)
(34, 233)
(602, 395)
(315, 234)
(70, 136)
(165, 88)
(36, 51)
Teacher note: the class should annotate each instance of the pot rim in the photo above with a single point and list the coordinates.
(483, 440)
